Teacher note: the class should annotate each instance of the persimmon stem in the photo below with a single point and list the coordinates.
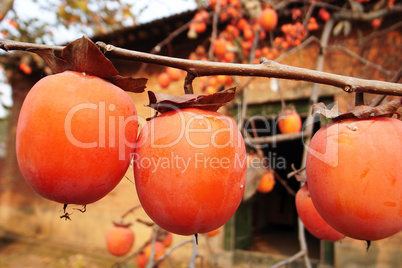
(131, 210)
(359, 99)
(188, 83)
(368, 245)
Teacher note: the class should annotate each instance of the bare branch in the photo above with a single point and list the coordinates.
(366, 16)
(164, 256)
(284, 183)
(363, 60)
(274, 139)
(267, 68)
(214, 33)
(289, 260)
(381, 32)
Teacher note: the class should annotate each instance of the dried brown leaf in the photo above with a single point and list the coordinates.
(84, 56)
(164, 102)
(56, 64)
(253, 177)
(320, 108)
(130, 84)
(385, 110)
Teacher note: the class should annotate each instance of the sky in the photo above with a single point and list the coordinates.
(151, 10)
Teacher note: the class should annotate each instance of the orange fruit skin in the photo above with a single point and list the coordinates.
(164, 79)
(213, 232)
(141, 260)
(168, 240)
(290, 122)
(268, 19)
(312, 220)
(353, 172)
(324, 15)
(220, 47)
(159, 250)
(203, 194)
(68, 148)
(375, 23)
(174, 73)
(267, 183)
(119, 240)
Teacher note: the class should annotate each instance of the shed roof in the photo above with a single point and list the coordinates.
(141, 37)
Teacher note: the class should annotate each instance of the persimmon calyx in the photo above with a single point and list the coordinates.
(162, 102)
(385, 110)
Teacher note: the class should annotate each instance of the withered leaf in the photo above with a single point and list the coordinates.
(130, 84)
(56, 64)
(253, 178)
(84, 56)
(164, 102)
(320, 108)
(385, 110)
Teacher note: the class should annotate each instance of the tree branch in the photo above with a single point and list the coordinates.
(361, 59)
(267, 68)
(366, 16)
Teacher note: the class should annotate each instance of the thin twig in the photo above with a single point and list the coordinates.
(377, 100)
(131, 210)
(151, 260)
(164, 256)
(361, 59)
(194, 254)
(164, 42)
(284, 183)
(214, 33)
(289, 260)
(376, 34)
(295, 171)
(275, 138)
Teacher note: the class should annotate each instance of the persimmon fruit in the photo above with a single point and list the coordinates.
(163, 236)
(213, 232)
(174, 73)
(220, 45)
(190, 170)
(167, 240)
(75, 137)
(289, 122)
(312, 220)
(198, 26)
(353, 171)
(267, 182)
(119, 240)
(324, 14)
(375, 23)
(164, 79)
(25, 68)
(268, 19)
